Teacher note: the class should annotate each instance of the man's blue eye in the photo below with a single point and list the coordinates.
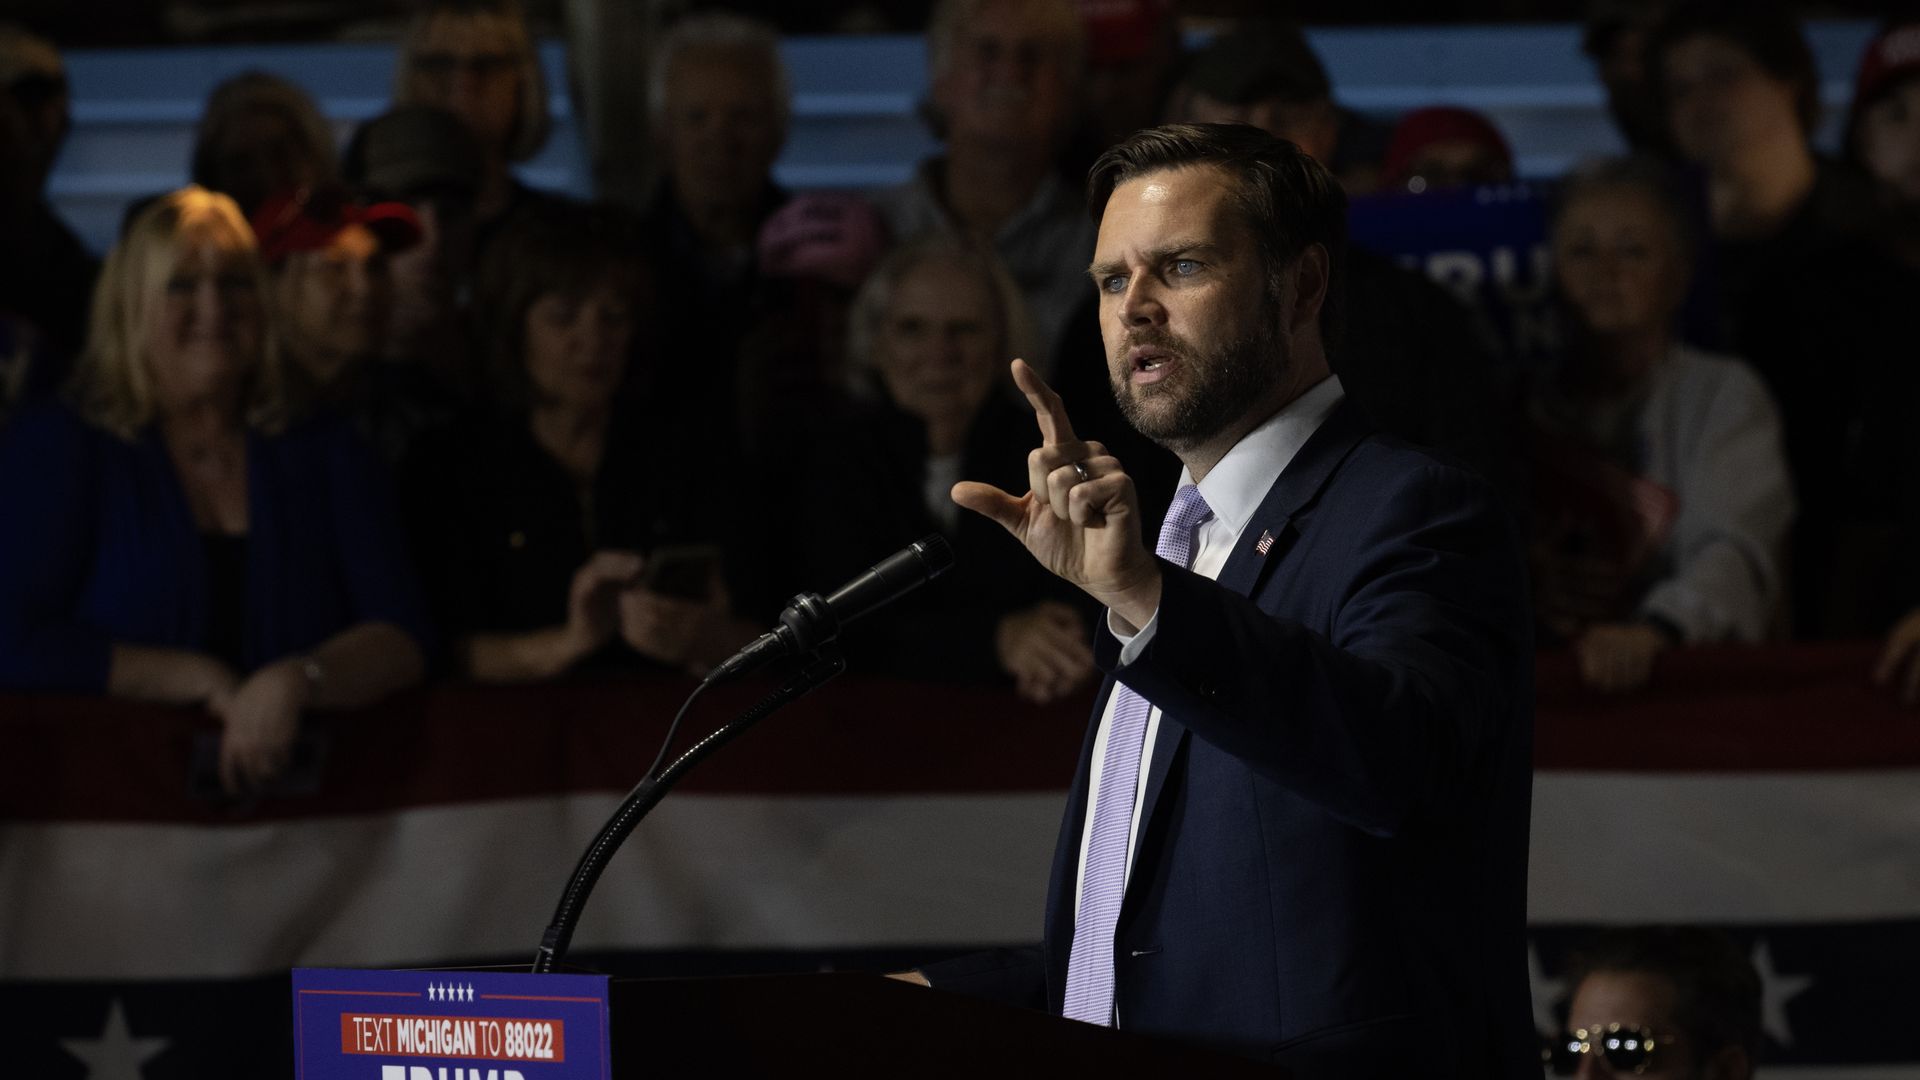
(1114, 284)
(1184, 267)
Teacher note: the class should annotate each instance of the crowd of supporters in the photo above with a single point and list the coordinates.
(333, 420)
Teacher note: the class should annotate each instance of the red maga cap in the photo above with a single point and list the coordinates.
(308, 219)
(1122, 30)
(1421, 128)
(1893, 54)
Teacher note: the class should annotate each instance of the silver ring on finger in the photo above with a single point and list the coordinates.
(1081, 468)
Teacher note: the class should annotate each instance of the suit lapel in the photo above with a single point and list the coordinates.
(1248, 567)
(1270, 531)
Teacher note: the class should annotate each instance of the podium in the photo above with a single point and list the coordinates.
(509, 1025)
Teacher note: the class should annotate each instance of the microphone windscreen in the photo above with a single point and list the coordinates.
(935, 554)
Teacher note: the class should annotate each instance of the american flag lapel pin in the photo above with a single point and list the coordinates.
(1266, 542)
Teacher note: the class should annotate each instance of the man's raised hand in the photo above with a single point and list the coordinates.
(1080, 516)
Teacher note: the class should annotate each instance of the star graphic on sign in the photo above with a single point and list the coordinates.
(1775, 991)
(1546, 994)
(469, 991)
(116, 1054)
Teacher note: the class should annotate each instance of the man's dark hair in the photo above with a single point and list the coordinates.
(1608, 19)
(1716, 992)
(1288, 199)
(1764, 29)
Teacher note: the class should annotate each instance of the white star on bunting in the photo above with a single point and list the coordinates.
(1775, 991)
(116, 1054)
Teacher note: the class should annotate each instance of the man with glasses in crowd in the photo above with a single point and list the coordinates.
(1661, 1003)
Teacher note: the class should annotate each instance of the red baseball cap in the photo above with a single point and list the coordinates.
(1892, 55)
(1441, 123)
(309, 218)
(1122, 30)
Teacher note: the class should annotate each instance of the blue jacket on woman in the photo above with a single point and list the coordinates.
(98, 547)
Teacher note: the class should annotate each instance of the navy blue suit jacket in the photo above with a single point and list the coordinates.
(1331, 867)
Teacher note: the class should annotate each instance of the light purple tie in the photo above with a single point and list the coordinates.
(1089, 994)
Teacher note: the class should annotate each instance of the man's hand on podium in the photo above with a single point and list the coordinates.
(913, 977)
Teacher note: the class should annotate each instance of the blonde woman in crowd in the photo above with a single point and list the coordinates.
(172, 534)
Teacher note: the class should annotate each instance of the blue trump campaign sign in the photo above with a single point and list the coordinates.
(449, 1025)
(1486, 245)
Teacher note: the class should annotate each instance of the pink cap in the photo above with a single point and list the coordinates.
(1893, 54)
(834, 237)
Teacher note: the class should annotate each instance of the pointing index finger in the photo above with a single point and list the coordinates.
(1048, 409)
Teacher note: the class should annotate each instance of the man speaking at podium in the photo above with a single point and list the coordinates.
(1299, 825)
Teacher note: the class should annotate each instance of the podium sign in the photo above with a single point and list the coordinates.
(449, 1025)
(495, 1025)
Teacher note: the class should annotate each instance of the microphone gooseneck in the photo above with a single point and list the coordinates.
(647, 794)
(807, 627)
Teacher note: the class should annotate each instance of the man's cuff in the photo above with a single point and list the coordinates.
(1132, 645)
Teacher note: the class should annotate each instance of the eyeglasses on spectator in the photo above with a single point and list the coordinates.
(1627, 1048)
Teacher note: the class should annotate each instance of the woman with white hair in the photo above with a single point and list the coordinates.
(172, 535)
(932, 331)
(1662, 499)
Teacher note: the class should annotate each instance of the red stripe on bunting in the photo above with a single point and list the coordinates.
(84, 759)
(1811, 708)
(81, 759)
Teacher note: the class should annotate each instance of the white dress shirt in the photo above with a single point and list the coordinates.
(1233, 490)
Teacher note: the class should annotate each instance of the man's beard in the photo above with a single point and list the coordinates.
(1208, 391)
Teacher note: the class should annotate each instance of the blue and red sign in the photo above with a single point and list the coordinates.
(449, 1025)
(1486, 245)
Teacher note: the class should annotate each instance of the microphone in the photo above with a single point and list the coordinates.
(810, 622)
